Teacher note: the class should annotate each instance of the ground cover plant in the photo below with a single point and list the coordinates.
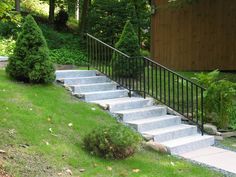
(45, 139)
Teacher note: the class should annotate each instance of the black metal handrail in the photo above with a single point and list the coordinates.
(147, 77)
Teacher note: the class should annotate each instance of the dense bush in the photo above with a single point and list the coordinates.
(219, 99)
(30, 60)
(116, 142)
(61, 19)
(128, 44)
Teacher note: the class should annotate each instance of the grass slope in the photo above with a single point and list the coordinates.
(29, 111)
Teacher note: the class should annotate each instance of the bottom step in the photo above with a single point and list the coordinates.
(188, 143)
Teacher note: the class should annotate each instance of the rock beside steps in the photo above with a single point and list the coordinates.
(141, 114)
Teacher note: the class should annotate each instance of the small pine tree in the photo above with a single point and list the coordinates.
(128, 44)
(30, 60)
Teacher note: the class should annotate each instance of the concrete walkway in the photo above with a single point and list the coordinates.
(215, 157)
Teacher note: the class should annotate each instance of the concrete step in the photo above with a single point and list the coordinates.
(85, 80)
(172, 132)
(147, 124)
(188, 143)
(141, 113)
(82, 88)
(125, 103)
(101, 95)
(61, 74)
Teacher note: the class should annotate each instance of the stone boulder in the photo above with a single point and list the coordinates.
(210, 129)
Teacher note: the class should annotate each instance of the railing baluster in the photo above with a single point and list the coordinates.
(182, 95)
(197, 103)
(168, 88)
(202, 111)
(144, 78)
(178, 93)
(192, 104)
(187, 99)
(160, 84)
(148, 78)
(173, 87)
(165, 86)
(156, 76)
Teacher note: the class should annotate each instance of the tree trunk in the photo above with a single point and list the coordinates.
(82, 23)
(77, 11)
(17, 5)
(51, 10)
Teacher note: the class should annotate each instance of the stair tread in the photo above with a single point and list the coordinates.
(83, 77)
(152, 119)
(95, 84)
(73, 70)
(168, 129)
(185, 140)
(139, 109)
(120, 100)
(105, 91)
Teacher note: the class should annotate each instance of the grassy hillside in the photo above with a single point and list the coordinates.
(38, 140)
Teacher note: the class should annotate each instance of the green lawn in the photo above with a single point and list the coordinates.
(229, 142)
(29, 112)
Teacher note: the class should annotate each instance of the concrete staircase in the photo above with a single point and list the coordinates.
(139, 113)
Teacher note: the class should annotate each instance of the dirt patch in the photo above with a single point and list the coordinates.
(21, 161)
(3, 173)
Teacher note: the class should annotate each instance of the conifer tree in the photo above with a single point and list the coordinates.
(128, 44)
(30, 60)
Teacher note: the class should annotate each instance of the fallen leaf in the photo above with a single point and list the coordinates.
(2, 151)
(93, 109)
(70, 124)
(82, 170)
(95, 165)
(47, 143)
(69, 171)
(59, 174)
(50, 129)
(136, 170)
(109, 168)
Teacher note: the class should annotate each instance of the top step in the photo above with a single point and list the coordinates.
(61, 74)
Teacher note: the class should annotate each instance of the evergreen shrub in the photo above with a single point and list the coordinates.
(30, 60)
(129, 45)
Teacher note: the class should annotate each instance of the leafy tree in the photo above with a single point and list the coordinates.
(128, 44)
(107, 18)
(30, 60)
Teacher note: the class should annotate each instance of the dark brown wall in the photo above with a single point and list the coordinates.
(201, 36)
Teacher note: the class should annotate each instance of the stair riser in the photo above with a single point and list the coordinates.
(130, 105)
(84, 89)
(71, 74)
(102, 96)
(176, 134)
(155, 125)
(85, 80)
(144, 114)
(191, 146)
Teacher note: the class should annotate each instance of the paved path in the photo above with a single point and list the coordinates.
(215, 157)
